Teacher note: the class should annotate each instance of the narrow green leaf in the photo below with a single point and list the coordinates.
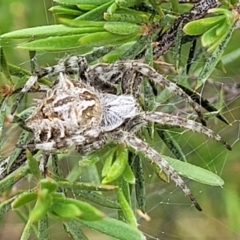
(96, 25)
(126, 208)
(98, 199)
(108, 162)
(65, 210)
(118, 166)
(96, 13)
(53, 43)
(14, 177)
(88, 212)
(49, 185)
(85, 2)
(41, 207)
(140, 188)
(33, 165)
(73, 228)
(5, 206)
(229, 15)
(112, 8)
(198, 27)
(115, 54)
(137, 47)
(114, 228)
(172, 144)
(46, 31)
(26, 231)
(128, 175)
(85, 7)
(103, 38)
(213, 59)
(16, 152)
(160, 173)
(123, 17)
(194, 172)
(59, 9)
(43, 227)
(23, 199)
(85, 186)
(4, 68)
(127, 3)
(213, 35)
(122, 28)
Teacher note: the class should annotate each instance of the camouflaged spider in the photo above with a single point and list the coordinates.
(90, 112)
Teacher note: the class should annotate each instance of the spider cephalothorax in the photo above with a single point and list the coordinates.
(83, 113)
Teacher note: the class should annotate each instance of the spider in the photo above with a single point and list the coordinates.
(90, 112)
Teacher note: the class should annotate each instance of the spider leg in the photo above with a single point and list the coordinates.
(73, 64)
(138, 145)
(91, 147)
(176, 121)
(157, 78)
(167, 119)
(166, 40)
(31, 81)
(79, 138)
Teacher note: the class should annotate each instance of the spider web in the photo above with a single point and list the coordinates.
(171, 216)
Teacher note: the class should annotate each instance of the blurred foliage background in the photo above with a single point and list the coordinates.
(171, 215)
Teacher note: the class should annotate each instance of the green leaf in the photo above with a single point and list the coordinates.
(14, 177)
(49, 185)
(74, 229)
(23, 199)
(33, 165)
(213, 59)
(84, 2)
(114, 228)
(103, 38)
(122, 28)
(85, 7)
(111, 9)
(127, 3)
(118, 166)
(140, 186)
(115, 54)
(128, 175)
(53, 43)
(108, 162)
(214, 35)
(5, 206)
(66, 10)
(229, 15)
(65, 210)
(84, 24)
(17, 151)
(88, 212)
(46, 31)
(26, 231)
(126, 208)
(160, 173)
(198, 27)
(41, 207)
(172, 144)
(43, 227)
(98, 199)
(85, 186)
(96, 13)
(195, 173)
